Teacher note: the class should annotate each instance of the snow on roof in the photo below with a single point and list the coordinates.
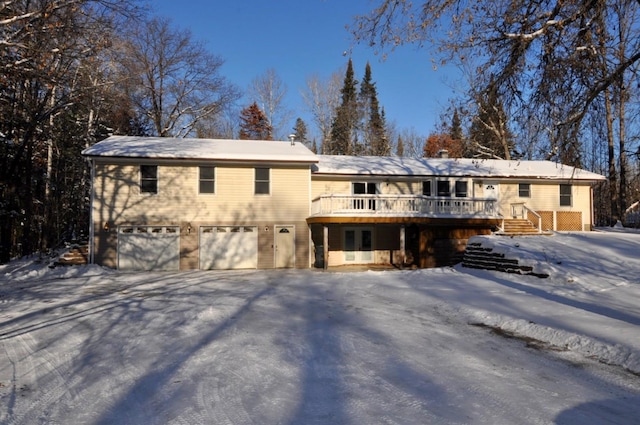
(401, 166)
(191, 148)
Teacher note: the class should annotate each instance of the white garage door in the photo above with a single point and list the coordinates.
(228, 247)
(149, 248)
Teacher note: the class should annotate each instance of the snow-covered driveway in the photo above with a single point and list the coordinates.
(298, 347)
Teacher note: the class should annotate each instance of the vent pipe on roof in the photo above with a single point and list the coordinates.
(443, 153)
(292, 139)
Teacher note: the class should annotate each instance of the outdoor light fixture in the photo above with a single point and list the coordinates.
(189, 228)
(106, 226)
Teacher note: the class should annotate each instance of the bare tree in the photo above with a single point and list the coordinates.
(322, 97)
(173, 79)
(269, 91)
(45, 48)
(558, 67)
(539, 54)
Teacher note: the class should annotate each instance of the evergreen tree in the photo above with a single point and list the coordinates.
(456, 126)
(254, 124)
(373, 125)
(344, 126)
(400, 147)
(300, 131)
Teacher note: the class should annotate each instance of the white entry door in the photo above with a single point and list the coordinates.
(285, 246)
(358, 245)
(491, 191)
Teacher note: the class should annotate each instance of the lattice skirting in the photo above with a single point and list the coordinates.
(560, 220)
(569, 220)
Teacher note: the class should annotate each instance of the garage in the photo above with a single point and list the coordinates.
(149, 248)
(228, 247)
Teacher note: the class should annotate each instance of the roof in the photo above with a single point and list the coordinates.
(191, 148)
(401, 166)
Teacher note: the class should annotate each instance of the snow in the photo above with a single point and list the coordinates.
(87, 345)
(403, 166)
(211, 149)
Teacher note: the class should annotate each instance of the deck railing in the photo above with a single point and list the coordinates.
(402, 205)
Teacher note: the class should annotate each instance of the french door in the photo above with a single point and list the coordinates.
(358, 245)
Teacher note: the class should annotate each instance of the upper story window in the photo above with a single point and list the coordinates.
(426, 188)
(444, 188)
(207, 182)
(565, 195)
(359, 188)
(149, 179)
(262, 182)
(462, 189)
(524, 190)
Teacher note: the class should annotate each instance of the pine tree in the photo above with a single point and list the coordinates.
(373, 123)
(400, 147)
(300, 131)
(254, 124)
(344, 126)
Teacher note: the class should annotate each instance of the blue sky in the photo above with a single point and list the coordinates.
(300, 38)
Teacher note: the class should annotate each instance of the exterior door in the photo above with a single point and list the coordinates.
(358, 245)
(491, 191)
(285, 247)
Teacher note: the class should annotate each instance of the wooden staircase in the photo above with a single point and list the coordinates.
(76, 255)
(519, 227)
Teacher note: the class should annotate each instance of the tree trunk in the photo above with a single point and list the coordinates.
(613, 180)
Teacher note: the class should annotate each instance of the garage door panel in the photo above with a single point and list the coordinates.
(148, 248)
(227, 247)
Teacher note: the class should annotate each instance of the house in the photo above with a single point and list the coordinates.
(169, 204)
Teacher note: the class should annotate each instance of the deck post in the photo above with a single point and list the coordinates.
(325, 247)
(402, 245)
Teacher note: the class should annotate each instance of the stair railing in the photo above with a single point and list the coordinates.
(535, 214)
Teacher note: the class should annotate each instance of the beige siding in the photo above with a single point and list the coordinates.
(118, 198)
(546, 197)
(117, 201)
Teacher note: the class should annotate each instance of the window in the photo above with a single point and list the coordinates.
(426, 187)
(565, 195)
(524, 190)
(262, 181)
(443, 188)
(207, 179)
(365, 188)
(461, 189)
(149, 178)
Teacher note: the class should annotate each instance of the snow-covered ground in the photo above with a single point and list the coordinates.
(85, 345)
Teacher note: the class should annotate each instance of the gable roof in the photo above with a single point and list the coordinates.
(487, 168)
(206, 149)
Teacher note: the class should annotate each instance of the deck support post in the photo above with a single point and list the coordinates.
(325, 247)
(403, 232)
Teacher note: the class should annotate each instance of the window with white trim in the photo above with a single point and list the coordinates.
(262, 181)
(462, 189)
(565, 195)
(444, 188)
(207, 182)
(149, 179)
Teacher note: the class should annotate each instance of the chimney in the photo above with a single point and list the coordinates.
(443, 153)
